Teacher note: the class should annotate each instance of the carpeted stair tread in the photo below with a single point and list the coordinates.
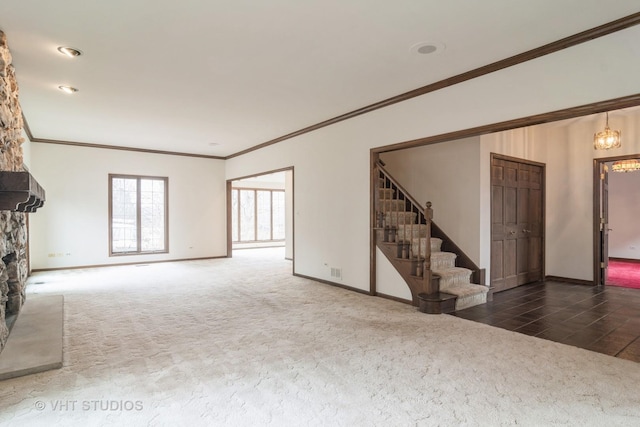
(442, 260)
(468, 295)
(452, 277)
(418, 244)
(394, 205)
(411, 231)
(466, 289)
(453, 272)
(386, 193)
(398, 218)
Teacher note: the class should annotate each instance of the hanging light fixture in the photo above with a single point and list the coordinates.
(628, 165)
(607, 139)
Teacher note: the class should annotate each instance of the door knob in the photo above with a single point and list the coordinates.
(512, 232)
(526, 231)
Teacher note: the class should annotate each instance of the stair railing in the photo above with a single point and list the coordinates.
(401, 217)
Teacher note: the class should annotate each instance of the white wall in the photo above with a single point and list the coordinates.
(73, 223)
(456, 177)
(566, 148)
(388, 280)
(26, 151)
(569, 200)
(258, 185)
(570, 190)
(624, 215)
(332, 163)
(332, 169)
(273, 181)
(448, 176)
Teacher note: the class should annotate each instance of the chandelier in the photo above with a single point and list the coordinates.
(606, 139)
(628, 165)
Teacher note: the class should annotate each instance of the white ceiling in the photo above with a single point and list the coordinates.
(182, 75)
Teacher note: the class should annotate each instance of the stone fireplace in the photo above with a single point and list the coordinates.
(13, 230)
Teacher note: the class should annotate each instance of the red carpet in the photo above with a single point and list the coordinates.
(624, 274)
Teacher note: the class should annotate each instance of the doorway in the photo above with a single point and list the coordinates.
(260, 212)
(616, 230)
(517, 222)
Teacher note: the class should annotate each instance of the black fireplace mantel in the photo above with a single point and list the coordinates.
(20, 192)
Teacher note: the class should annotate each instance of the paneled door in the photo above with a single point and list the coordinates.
(517, 222)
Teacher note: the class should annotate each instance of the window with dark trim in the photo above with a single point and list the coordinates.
(257, 215)
(138, 222)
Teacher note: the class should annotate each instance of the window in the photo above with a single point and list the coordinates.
(137, 214)
(257, 215)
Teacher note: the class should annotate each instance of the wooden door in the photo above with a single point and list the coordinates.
(604, 222)
(517, 222)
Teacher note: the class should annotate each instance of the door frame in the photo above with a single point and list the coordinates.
(543, 229)
(597, 206)
(229, 187)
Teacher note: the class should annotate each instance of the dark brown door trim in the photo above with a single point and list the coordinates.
(517, 159)
(597, 107)
(374, 157)
(597, 205)
(568, 113)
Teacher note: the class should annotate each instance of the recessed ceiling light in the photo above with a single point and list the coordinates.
(69, 51)
(68, 89)
(214, 144)
(426, 48)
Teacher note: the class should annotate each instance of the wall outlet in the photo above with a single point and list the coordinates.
(336, 273)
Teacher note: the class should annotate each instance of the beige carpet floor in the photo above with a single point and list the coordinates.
(241, 342)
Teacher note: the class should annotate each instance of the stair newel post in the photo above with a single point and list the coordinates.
(430, 286)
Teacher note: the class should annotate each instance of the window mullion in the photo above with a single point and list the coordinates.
(255, 215)
(238, 215)
(139, 214)
(271, 215)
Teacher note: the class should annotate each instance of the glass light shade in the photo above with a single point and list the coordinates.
(628, 165)
(607, 139)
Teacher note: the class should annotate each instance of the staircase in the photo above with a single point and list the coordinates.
(403, 229)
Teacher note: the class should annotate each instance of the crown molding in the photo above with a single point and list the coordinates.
(538, 119)
(573, 40)
(567, 42)
(32, 138)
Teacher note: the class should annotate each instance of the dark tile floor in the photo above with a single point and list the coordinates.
(606, 320)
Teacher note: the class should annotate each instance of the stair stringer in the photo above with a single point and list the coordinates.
(440, 303)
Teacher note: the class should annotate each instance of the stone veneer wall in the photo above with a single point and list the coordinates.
(13, 230)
